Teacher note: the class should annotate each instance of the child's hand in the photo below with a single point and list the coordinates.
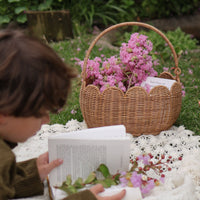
(99, 188)
(44, 167)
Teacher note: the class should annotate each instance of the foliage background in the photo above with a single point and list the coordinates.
(87, 13)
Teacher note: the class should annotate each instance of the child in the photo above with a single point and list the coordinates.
(33, 82)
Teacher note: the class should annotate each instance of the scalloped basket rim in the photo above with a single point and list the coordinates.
(135, 87)
(152, 91)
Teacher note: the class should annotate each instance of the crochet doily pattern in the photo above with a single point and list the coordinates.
(181, 183)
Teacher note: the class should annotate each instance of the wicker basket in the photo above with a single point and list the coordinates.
(140, 112)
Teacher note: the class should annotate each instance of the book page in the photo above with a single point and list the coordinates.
(82, 156)
(132, 193)
(154, 81)
(100, 132)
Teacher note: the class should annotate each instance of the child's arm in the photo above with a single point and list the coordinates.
(17, 179)
(92, 194)
(99, 188)
(7, 170)
(27, 180)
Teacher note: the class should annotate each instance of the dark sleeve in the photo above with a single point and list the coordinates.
(83, 195)
(17, 179)
(7, 171)
(27, 181)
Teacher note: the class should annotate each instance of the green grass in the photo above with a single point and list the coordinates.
(190, 111)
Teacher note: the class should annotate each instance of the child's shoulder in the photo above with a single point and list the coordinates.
(5, 150)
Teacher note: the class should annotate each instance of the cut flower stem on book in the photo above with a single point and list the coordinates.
(137, 176)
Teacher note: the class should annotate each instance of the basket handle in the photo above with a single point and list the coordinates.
(177, 70)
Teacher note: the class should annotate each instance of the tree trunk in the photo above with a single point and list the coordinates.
(50, 25)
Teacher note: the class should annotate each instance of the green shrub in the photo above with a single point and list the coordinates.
(165, 8)
(14, 10)
(97, 12)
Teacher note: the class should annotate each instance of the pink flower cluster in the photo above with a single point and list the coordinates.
(137, 180)
(138, 176)
(133, 65)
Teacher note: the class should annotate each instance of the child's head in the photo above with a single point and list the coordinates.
(33, 78)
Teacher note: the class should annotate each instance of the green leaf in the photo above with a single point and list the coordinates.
(68, 189)
(68, 180)
(11, 1)
(45, 6)
(104, 170)
(18, 10)
(116, 178)
(116, 8)
(102, 183)
(90, 178)
(108, 182)
(78, 184)
(4, 19)
(134, 166)
(22, 18)
(106, 18)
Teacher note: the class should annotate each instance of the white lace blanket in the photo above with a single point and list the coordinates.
(181, 183)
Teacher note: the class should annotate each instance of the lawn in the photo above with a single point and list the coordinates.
(188, 52)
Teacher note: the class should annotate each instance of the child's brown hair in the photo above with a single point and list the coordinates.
(33, 78)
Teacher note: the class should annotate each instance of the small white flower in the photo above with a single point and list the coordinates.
(144, 177)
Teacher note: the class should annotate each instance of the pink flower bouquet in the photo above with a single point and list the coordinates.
(133, 65)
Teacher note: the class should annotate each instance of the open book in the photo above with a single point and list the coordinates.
(152, 82)
(83, 151)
